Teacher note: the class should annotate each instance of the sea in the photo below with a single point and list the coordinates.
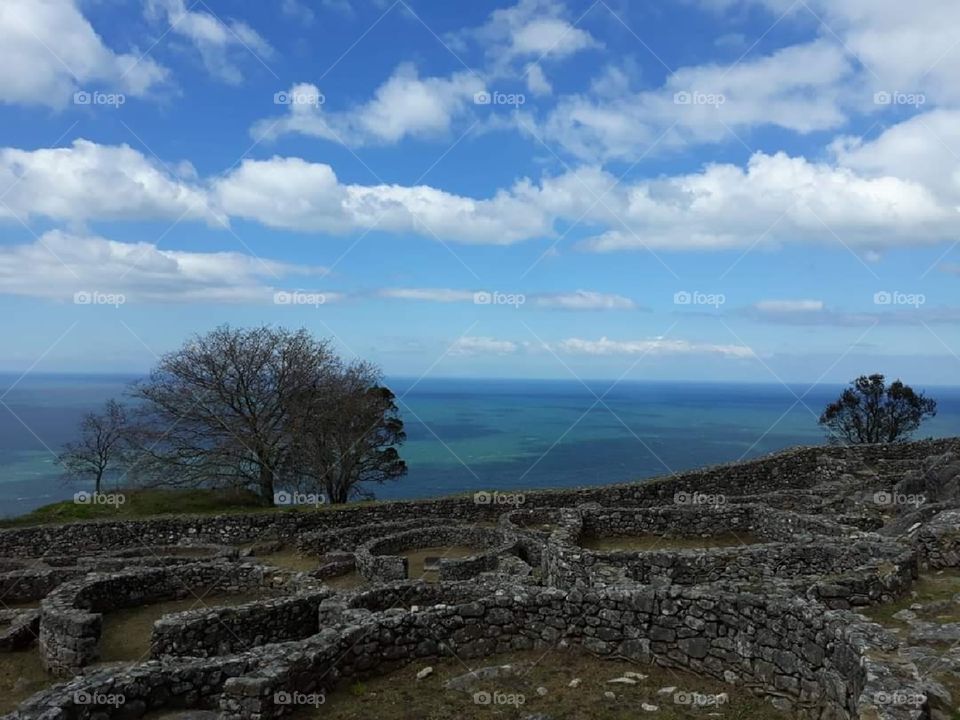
(485, 434)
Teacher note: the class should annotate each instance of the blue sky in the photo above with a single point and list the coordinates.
(756, 190)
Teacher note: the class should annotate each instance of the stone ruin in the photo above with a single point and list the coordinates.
(824, 536)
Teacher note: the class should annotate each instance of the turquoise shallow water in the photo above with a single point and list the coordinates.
(486, 434)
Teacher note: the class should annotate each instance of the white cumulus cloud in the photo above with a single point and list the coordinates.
(50, 51)
(531, 29)
(219, 42)
(58, 264)
(406, 105)
(860, 200)
(801, 88)
(87, 181)
(293, 194)
(776, 199)
(906, 47)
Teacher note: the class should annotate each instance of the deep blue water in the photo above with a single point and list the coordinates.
(486, 434)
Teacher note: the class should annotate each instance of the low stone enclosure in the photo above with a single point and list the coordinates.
(812, 537)
(377, 559)
(814, 555)
(71, 615)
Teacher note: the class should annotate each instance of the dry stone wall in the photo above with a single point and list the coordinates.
(71, 619)
(228, 630)
(817, 661)
(790, 647)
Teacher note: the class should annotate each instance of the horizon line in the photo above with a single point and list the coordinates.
(487, 378)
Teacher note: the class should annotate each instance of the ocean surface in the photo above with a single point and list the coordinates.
(485, 434)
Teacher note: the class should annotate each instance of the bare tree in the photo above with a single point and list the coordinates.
(871, 412)
(102, 447)
(217, 412)
(347, 429)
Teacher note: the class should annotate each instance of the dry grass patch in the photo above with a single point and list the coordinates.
(400, 696)
(416, 559)
(289, 559)
(126, 633)
(347, 581)
(21, 675)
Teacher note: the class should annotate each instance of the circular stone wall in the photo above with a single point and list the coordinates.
(378, 559)
(71, 620)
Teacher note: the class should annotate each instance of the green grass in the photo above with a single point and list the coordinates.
(146, 503)
(126, 633)
(930, 587)
(21, 675)
(143, 503)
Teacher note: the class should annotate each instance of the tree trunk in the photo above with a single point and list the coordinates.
(340, 489)
(97, 483)
(265, 486)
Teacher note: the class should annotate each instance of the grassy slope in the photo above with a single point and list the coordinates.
(143, 503)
